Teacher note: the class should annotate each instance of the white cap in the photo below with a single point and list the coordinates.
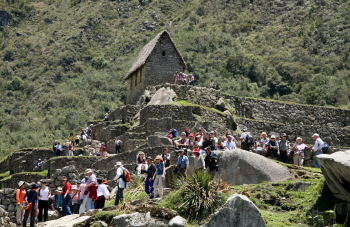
(118, 164)
(74, 187)
(316, 135)
(243, 135)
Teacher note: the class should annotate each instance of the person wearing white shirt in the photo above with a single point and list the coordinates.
(317, 148)
(230, 144)
(44, 195)
(101, 191)
(120, 182)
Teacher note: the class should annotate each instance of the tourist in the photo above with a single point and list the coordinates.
(165, 156)
(67, 187)
(173, 133)
(211, 84)
(187, 133)
(169, 135)
(89, 131)
(102, 194)
(176, 77)
(149, 181)
(199, 143)
(79, 202)
(82, 197)
(284, 148)
(182, 163)
(191, 142)
(58, 149)
(213, 136)
(141, 163)
(71, 138)
(70, 150)
(77, 138)
(272, 147)
(247, 142)
(20, 193)
(222, 144)
(74, 207)
(199, 164)
(210, 164)
(120, 183)
(181, 78)
(158, 177)
(105, 182)
(66, 147)
(229, 144)
(31, 197)
(200, 131)
(208, 141)
(299, 152)
(181, 142)
(192, 80)
(264, 140)
(118, 144)
(317, 148)
(90, 189)
(106, 115)
(44, 195)
(54, 148)
(39, 162)
(57, 201)
(103, 149)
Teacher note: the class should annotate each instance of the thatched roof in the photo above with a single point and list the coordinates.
(147, 50)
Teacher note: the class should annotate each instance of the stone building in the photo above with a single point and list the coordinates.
(155, 65)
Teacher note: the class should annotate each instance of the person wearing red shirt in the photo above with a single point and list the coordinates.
(66, 196)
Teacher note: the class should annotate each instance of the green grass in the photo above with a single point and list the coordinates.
(186, 103)
(7, 175)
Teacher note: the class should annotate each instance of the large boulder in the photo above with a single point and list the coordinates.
(156, 141)
(136, 219)
(220, 105)
(237, 211)
(242, 167)
(336, 169)
(177, 221)
(163, 96)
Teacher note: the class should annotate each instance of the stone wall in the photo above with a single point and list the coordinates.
(290, 114)
(162, 63)
(15, 178)
(126, 113)
(166, 111)
(8, 202)
(105, 131)
(136, 85)
(333, 136)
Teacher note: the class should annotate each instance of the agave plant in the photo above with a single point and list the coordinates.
(201, 195)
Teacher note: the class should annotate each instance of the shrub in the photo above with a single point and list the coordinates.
(201, 195)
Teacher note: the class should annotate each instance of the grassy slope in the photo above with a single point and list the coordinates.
(66, 63)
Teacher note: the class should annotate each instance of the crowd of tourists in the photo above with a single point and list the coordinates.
(183, 79)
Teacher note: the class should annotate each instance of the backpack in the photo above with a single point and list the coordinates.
(249, 140)
(126, 177)
(325, 147)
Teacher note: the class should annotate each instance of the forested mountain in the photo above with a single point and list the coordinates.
(62, 62)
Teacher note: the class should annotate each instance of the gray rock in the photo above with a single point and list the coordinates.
(90, 212)
(72, 176)
(58, 183)
(68, 169)
(177, 221)
(156, 141)
(128, 220)
(58, 171)
(163, 96)
(220, 105)
(9, 191)
(301, 185)
(52, 215)
(242, 167)
(336, 169)
(100, 224)
(11, 207)
(237, 211)
(6, 202)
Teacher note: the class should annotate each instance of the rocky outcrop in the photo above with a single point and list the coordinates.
(163, 96)
(177, 221)
(136, 219)
(237, 211)
(154, 141)
(242, 167)
(5, 220)
(336, 169)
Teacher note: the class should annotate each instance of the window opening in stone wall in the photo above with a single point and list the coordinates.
(163, 53)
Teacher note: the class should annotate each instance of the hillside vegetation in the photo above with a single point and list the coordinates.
(62, 62)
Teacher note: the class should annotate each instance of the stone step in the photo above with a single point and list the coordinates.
(67, 221)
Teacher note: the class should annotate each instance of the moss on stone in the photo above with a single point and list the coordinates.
(185, 103)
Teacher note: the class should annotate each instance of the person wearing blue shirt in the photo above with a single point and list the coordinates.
(317, 148)
(58, 149)
(158, 177)
(173, 133)
(209, 164)
(31, 197)
(182, 163)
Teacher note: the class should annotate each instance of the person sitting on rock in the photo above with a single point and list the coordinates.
(191, 142)
(247, 142)
(284, 148)
(149, 180)
(173, 133)
(272, 148)
(182, 163)
(263, 141)
(208, 142)
(141, 166)
(166, 157)
(299, 152)
(223, 140)
(20, 193)
(39, 163)
(211, 84)
(200, 131)
(158, 177)
(181, 142)
(199, 164)
(199, 142)
(56, 201)
(230, 143)
(191, 80)
(213, 136)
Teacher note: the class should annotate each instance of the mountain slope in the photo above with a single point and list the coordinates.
(62, 62)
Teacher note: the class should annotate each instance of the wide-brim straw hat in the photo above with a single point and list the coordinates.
(158, 158)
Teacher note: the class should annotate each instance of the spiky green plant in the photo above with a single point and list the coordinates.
(201, 195)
